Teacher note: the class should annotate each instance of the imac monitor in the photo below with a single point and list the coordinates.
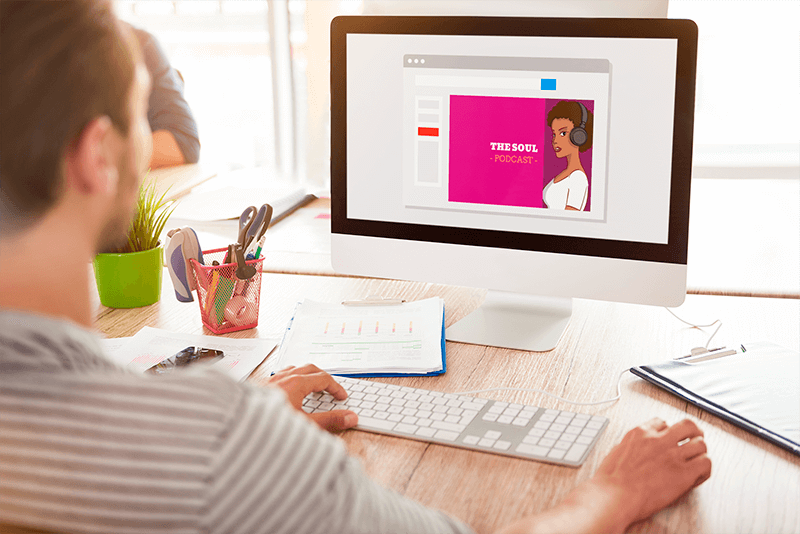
(542, 158)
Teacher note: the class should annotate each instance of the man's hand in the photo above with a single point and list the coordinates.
(298, 382)
(654, 465)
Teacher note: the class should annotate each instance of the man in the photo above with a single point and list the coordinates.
(175, 138)
(86, 446)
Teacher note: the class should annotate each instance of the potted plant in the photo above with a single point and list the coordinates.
(131, 276)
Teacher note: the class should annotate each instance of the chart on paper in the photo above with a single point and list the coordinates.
(348, 339)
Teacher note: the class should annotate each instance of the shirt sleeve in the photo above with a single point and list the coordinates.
(168, 109)
(576, 194)
(277, 472)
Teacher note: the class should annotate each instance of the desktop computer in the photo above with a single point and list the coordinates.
(545, 159)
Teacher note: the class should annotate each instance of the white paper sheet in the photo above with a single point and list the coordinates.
(153, 345)
(365, 339)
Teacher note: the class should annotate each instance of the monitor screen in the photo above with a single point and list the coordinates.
(532, 155)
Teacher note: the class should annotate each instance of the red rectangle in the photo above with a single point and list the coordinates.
(428, 132)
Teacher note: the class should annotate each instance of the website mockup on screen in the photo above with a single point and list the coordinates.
(563, 136)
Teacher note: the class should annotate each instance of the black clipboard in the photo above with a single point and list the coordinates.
(757, 388)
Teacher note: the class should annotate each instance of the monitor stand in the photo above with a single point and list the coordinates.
(514, 321)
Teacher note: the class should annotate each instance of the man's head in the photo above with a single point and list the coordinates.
(73, 97)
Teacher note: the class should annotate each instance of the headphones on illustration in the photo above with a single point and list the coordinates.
(578, 135)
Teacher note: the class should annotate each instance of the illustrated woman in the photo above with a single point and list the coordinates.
(572, 125)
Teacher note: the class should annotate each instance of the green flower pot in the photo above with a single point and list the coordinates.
(129, 280)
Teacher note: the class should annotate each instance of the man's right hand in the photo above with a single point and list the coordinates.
(646, 472)
(654, 465)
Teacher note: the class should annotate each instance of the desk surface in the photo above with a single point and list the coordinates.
(754, 485)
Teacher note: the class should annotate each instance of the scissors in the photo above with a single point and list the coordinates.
(258, 227)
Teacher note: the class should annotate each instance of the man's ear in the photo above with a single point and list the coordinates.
(90, 166)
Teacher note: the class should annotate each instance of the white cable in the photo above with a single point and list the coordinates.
(533, 390)
(699, 326)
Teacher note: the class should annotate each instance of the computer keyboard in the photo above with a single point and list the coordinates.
(517, 430)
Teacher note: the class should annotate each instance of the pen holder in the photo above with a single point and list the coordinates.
(227, 304)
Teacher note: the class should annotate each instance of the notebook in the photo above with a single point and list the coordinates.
(757, 388)
(406, 339)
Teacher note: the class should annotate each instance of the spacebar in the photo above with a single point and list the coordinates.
(370, 423)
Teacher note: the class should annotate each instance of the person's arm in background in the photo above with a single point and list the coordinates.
(175, 138)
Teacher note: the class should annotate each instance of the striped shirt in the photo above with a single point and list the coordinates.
(86, 446)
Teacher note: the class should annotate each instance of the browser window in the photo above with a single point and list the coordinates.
(490, 133)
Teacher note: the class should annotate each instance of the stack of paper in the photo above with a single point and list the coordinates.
(152, 345)
(406, 339)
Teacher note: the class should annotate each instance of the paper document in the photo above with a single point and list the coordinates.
(405, 339)
(229, 201)
(152, 345)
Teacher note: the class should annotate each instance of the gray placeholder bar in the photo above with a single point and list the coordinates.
(507, 63)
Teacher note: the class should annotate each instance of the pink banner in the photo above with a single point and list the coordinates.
(496, 150)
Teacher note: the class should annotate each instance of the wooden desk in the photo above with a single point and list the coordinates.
(754, 486)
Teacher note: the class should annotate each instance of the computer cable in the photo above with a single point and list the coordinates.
(700, 326)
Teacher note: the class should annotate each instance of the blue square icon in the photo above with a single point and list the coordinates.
(548, 84)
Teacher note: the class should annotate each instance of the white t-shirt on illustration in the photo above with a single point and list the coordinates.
(572, 191)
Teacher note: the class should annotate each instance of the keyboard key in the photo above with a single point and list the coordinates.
(492, 434)
(324, 407)
(494, 408)
(440, 408)
(597, 425)
(486, 442)
(408, 411)
(472, 406)
(452, 419)
(572, 429)
(471, 440)
(394, 409)
(583, 440)
(513, 412)
(553, 412)
(562, 445)
(544, 425)
(406, 429)
(367, 413)
(582, 417)
(313, 403)
(326, 398)
(408, 420)
(397, 402)
(563, 420)
(532, 450)
(411, 403)
(447, 426)
(375, 424)
(505, 419)
(423, 413)
(491, 417)
(454, 403)
(501, 445)
(308, 409)
(516, 406)
(556, 454)
(424, 422)
(552, 434)
(575, 452)
(381, 407)
(536, 432)
(446, 435)
(396, 417)
(466, 419)
(520, 421)
(426, 432)
(547, 417)
(356, 395)
(527, 414)
(557, 427)
(569, 438)
(589, 432)
(437, 417)
(545, 442)
(455, 411)
(531, 440)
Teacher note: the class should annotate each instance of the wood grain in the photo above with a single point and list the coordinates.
(755, 486)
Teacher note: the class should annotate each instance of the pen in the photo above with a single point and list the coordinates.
(260, 245)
